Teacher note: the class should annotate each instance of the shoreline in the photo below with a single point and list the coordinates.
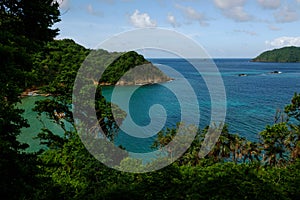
(133, 84)
(32, 93)
(36, 92)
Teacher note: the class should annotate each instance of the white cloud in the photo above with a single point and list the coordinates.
(274, 28)
(227, 4)
(284, 41)
(172, 20)
(286, 14)
(269, 4)
(233, 9)
(107, 1)
(252, 33)
(193, 15)
(90, 8)
(238, 14)
(91, 11)
(141, 20)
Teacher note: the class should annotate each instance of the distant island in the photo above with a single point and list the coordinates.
(283, 55)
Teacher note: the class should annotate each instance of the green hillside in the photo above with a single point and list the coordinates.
(65, 57)
(285, 54)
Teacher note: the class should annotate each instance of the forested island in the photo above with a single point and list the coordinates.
(286, 54)
(235, 168)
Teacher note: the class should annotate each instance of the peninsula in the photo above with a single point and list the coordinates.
(66, 56)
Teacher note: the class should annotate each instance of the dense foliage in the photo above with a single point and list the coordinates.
(285, 54)
(55, 58)
(25, 27)
(235, 169)
(122, 65)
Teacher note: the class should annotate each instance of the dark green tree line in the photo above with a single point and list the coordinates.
(25, 26)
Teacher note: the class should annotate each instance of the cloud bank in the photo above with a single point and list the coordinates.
(284, 41)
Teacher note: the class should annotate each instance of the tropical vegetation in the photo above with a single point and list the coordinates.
(235, 169)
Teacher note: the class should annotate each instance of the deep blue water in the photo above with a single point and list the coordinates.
(252, 100)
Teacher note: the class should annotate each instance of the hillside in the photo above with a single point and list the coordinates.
(65, 57)
(285, 54)
(130, 69)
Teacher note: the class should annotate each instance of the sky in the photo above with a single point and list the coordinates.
(224, 28)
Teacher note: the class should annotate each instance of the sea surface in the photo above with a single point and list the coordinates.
(251, 101)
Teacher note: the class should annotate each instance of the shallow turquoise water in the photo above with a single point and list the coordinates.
(36, 124)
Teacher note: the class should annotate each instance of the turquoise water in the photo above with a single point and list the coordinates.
(36, 124)
(252, 100)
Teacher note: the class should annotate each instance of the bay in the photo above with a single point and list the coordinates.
(252, 100)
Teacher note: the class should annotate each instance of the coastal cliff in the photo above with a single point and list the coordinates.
(143, 75)
(132, 69)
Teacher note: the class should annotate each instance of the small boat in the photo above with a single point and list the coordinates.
(243, 75)
(276, 72)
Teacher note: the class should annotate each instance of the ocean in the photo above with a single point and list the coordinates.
(251, 100)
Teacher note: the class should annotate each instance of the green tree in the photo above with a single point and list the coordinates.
(293, 112)
(24, 25)
(274, 147)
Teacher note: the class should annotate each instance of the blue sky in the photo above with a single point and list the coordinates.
(225, 28)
